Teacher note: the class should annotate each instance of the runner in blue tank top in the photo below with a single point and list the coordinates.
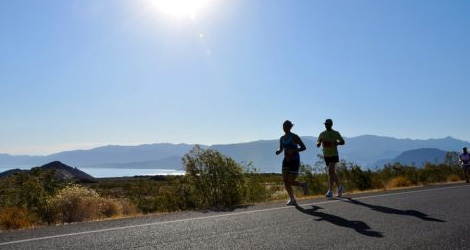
(291, 145)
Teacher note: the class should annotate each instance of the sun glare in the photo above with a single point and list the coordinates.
(180, 8)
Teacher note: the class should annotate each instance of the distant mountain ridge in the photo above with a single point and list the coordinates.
(418, 157)
(367, 151)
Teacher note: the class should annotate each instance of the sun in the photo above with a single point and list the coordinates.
(180, 8)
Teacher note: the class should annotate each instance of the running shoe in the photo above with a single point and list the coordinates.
(340, 191)
(304, 186)
(291, 203)
(329, 194)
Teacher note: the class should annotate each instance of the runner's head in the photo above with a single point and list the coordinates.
(464, 149)
(328, 123)
(287, 125)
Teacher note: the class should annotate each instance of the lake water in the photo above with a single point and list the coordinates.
(120, 172)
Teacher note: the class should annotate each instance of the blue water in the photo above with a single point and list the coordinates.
(119, 172)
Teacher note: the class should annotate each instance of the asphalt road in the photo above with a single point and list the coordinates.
(433, 217)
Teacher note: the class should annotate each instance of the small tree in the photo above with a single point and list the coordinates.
(33, 190)
(217, 180)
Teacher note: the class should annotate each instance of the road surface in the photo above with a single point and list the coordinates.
(432, 217)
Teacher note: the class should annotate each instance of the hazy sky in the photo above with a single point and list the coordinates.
(78, 74)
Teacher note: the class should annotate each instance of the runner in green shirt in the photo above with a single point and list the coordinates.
(330, 139)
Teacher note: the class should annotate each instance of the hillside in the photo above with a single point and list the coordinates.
(417, 157)
(12, 172)
(62, 172)
(367, 150)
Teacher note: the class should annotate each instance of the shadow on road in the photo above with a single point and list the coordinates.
(225, 209)
(389, 210)
(360, 226)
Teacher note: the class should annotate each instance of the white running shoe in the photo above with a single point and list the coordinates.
(329, 194)
(304, 186)
(340, 190)
(291, 203)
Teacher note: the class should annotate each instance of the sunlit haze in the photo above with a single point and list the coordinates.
(79, 74)
(180, 8)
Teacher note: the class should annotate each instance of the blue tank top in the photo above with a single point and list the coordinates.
(289, 143)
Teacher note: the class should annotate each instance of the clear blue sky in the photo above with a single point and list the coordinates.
(78, 74)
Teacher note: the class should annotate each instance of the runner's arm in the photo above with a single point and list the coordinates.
(340, 140)
(301, 143)
(281, 148)
(319, 141)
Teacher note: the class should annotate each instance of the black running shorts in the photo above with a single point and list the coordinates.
(290, 166)
(331, 159)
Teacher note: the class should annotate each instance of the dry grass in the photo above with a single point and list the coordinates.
(16, 218)
(453, 178)
(279, 195)
(397, 182)
(128, 208)
(76, 203)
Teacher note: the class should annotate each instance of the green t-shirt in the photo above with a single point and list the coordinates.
(329, 139)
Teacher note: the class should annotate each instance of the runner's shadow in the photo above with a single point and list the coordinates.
(360, 226)
(389, 210)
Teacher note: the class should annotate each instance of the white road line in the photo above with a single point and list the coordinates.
(218, 216)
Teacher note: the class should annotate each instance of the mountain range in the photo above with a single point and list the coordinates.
(368, 151)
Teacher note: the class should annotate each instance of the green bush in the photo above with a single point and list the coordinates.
(317, 180)
(212, 180)
(256, 188)
(359, 179)
(144, 195)
(30, 191)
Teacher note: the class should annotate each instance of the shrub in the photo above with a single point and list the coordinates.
(359, 179)
(16, 218)
(144, 195)
(255, 187)
(453, 178)
(317, 180)
(76, 203)
(128, 208)
(30, 191)
(439, 173)
(279, 195)
(214, 180)
(110, 208)
(399, 181)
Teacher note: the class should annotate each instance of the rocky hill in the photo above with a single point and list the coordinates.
(62, 172)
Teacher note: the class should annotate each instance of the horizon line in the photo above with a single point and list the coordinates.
(206, 145)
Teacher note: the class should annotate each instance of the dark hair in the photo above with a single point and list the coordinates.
(287, 123)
